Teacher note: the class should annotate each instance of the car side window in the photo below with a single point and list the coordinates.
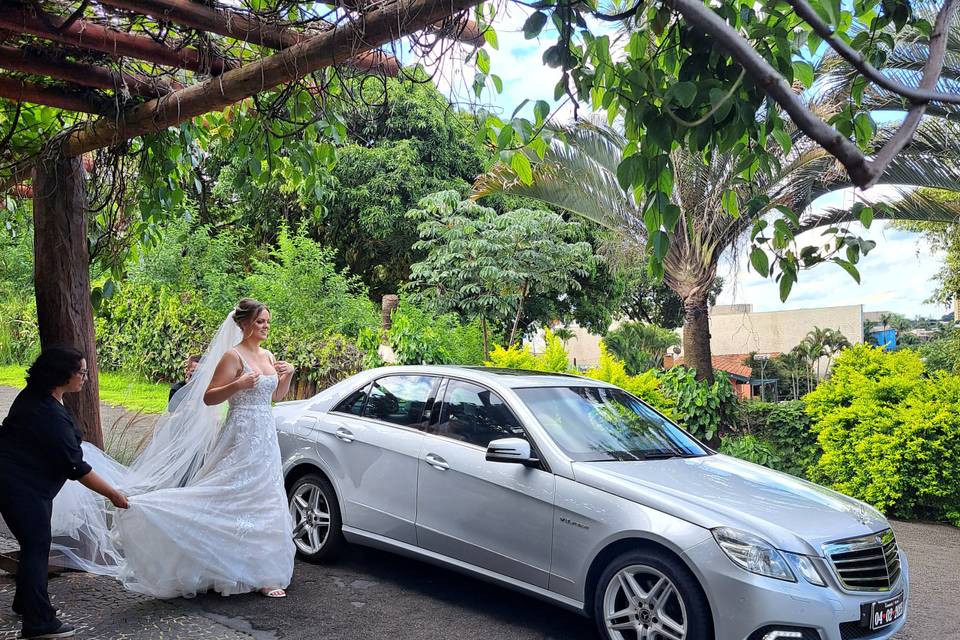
(399, 399)
(475, 415)
(353, 403)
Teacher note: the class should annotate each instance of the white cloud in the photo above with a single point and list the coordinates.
(898, 275)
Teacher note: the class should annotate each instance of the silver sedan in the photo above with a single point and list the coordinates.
(576, 492)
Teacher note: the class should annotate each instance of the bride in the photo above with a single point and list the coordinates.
(207, 502)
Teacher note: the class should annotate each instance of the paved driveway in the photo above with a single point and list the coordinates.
(372, 594)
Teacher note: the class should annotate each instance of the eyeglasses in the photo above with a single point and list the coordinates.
(83, 373)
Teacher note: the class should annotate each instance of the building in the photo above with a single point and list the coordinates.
(883, 336)
(737, 329)
(745, 384)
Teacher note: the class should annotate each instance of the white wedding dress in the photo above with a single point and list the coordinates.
(208, 511)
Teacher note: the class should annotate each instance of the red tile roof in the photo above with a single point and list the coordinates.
(731, 363)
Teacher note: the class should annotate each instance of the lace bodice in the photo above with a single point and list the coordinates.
(260, 395)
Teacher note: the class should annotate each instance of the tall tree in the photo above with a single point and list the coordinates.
(712, 207)
(483, 264)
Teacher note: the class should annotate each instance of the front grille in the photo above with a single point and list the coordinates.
(867, 563)
(855, 631)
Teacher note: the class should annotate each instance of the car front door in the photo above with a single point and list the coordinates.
(494, 515)
(375, 440)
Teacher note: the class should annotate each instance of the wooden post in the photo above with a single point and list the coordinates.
(62, 276)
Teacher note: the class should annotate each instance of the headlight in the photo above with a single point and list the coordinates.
(752, 553)
(805, 567)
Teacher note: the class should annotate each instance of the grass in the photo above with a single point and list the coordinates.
(122, 389)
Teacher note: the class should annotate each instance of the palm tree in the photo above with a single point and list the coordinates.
(578, 173)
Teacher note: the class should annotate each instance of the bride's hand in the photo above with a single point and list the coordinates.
(283, 368)
(248, 380)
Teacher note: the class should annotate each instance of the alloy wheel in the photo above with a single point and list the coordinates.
(311, 518)
(641, 603)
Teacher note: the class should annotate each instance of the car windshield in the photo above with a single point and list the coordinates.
(601, 423)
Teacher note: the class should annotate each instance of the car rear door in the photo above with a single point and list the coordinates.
(497, 516)
(374, 439)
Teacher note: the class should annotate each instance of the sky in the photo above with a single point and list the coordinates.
(896, 276)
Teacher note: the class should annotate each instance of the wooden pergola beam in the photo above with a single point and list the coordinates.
(85, 75)
(248, 28)
(92, 36)
(330, 48)
(20, 90)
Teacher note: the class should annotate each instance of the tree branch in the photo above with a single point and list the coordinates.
(931, 74)
(772, 83)
(920, 95)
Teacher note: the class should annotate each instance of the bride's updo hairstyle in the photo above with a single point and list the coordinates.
(246, 311)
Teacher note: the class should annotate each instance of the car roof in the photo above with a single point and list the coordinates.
(513, 378)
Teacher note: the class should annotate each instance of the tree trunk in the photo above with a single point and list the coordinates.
(62, 277)
(388, 304)
(696, 336)
(486, 339)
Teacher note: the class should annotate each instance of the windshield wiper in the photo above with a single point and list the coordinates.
(666, 455)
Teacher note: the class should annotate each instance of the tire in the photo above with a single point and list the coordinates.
(318, 527)
(666, 597)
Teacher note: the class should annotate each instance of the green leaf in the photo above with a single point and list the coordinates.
(783, 139)
(866, 216)
(491, 37)
(661, 244)
(760, 261)
(521, 166)
(849, 268)
(730, 203)
(684, 93)
(863, 128)
(505, 137)
(497, 82)
(628, 171)
(541, 110)
(786, 284)
(803, 72)
(534, 24)
(483, 60)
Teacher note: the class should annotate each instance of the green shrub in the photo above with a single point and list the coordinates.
(702, 408)
(320, 361)
(752, 449)
(890, 434)
(152, 331)
(421, 337)
(554, 358)
(786, 427)
(19, 338)
(942, 354)
(640, 346)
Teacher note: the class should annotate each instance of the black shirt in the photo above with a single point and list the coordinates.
(39, 445)
(176, 386)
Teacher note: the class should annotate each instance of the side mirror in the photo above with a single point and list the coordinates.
(515, 450)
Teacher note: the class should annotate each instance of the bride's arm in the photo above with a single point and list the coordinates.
(284, 377)
(228, 379)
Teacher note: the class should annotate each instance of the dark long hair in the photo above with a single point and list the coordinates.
(54, 368)
(246, 311)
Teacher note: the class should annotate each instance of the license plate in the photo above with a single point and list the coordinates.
(886, 612)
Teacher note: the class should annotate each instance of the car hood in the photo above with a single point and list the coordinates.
(717, 490)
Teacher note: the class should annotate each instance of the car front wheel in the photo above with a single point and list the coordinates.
(642, 595)
(317, 531)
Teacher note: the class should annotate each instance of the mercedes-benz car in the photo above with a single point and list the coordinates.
(576, 492)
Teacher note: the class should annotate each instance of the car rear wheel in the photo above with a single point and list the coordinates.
(317, 531)
(642, 595)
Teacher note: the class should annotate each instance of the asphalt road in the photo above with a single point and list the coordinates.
(373, 594)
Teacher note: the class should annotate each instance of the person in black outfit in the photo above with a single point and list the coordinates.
(192, 363)
(40, 451)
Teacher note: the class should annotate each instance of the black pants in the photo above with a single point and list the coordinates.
(28, 517)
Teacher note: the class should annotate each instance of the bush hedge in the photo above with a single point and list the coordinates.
(890, 434)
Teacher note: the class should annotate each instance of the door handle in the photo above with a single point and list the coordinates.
(344, 434)
(436, 462)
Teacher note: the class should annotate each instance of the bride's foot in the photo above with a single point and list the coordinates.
(274, 593)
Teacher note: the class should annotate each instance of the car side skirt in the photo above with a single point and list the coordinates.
(368, 539)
